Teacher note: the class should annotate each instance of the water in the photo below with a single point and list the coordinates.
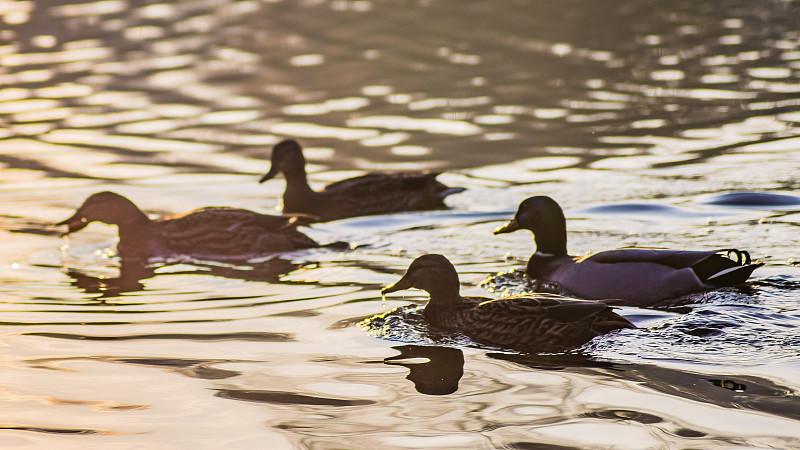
(670, 124)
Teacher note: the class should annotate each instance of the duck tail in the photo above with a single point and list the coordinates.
(742, 257)
(733, 275)
(725, 267)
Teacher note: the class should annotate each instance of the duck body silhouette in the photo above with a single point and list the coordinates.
(212, 232)
(374, 193)
(632, 276)
(533, 323)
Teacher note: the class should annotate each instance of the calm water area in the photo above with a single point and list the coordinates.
(653, 123)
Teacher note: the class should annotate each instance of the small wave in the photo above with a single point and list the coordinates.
(753, 200)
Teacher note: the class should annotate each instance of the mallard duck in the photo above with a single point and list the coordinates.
(213, 232)
(540, 323)
(374, 193)
(633, 276)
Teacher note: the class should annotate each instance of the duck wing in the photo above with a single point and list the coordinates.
(384, 180)
(377, 193)
(541, 323)
(234, 232)
(551, 307)
(716, 268)
(677, 259)
(223, 217)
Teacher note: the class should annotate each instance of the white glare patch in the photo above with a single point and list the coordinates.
(770, 72)
(561, 49)
(373, 91)
(307, 60)
(410, 150)
(44, 41)
(493, 119)
(667, 75)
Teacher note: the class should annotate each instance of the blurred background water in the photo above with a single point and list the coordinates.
(670, 124)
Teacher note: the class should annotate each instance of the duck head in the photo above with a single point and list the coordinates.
(287, 158)
(432, 273)
(545, 218)
(107, 207)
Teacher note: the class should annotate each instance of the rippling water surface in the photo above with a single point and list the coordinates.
(669, 124)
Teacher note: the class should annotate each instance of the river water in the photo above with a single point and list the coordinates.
(654, 123)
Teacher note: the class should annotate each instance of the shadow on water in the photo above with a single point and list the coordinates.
(133, 271)
(279, 397)
(437, 374)
(726, 390)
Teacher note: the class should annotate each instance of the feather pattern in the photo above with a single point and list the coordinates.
(373, 193)
(634, 276)
(540, 323)
(212, 232)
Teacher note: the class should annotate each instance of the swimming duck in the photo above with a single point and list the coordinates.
(540, 323)
(213, 232)
(632, 276)
(374, 193)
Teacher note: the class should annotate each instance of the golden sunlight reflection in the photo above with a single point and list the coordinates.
(528, 170)
(128, 142)
(434, 126)
(657, 124)
(339, 104)
(309, 130)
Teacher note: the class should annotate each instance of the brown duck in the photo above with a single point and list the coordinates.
(539, 323)
(374, 193)
(213, 232)
(632, 276)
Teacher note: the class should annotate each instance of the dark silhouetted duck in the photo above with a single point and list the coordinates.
(214, 232)
(538, 323)
(374, 193)
(633, 276)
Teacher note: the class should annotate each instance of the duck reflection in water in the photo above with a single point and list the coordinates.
(731, 391)
(133, 271)
(439, 375)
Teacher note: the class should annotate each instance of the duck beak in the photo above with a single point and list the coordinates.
(270, 175)
(402, 284)
(74, 223)
(513, 225)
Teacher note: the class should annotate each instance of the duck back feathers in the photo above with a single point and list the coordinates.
(514, 322)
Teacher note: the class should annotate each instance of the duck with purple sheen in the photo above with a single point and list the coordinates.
(212, 232)
(374, 193)
(625, 276)
(534, 323)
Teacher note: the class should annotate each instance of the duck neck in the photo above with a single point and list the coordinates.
(551, 239)
(444, 300)
(296, 178)
(133, 228)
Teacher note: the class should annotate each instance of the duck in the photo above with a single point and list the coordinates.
(532, 323)
(210, 232)
(625, 276)
(373, 193)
